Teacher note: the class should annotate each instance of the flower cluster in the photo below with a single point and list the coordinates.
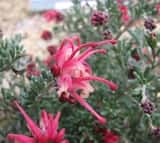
(149, 24)
(99, 18)
(148, 106)
(46, 133)
(72, 72)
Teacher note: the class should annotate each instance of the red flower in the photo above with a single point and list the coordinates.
(46, 133)
(73, 73)
(32, 70)
(46, 35)
(124, 12)
(53, 15)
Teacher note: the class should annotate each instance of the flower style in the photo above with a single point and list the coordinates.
(73, 73)
(53, 15)
(47, 133)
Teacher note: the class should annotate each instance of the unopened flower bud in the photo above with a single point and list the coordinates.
(99, 18)
(51, 49)
(148, 106)
(149, 24)
(46, 35)
(107, 35)
(156, 132)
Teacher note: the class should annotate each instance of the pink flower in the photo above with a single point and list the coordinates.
(53, 15)
(110, 137)
(124, 12)
(47, 132)
(125, 18)
(32, 70)
(46, 35)
(74, 74)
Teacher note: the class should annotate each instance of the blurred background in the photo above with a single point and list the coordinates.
(25, 17)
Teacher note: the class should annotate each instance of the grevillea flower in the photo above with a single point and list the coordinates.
(46, 35)
(73, 73)
(124, 12)
(32, 70)
(46, 133)
(53, 15)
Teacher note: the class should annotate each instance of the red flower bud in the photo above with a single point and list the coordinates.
(99, 18)
(46, 35)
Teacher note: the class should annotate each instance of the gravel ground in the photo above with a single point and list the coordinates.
(16, 17)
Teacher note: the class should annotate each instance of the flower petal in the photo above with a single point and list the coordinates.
(111, 85)
(60, 136)
(44, 121)
(20, 138)
(54, 125)
(36, 132)
(88, 53)
(95, 44)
